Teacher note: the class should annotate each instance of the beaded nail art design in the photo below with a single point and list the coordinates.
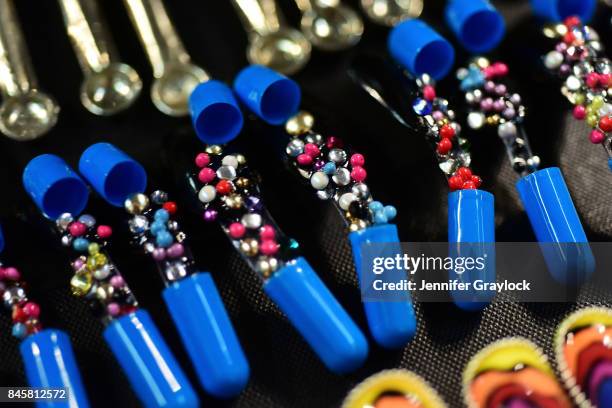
(393, 388)
(159, 235)
(229, 193)
(584, 356)
(492, 104)
(24, 313)
(578, 59)
(444, 132)
(335, 173)
(512, 372)
(96, 279)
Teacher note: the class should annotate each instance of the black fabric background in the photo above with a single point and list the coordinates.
(401, 170)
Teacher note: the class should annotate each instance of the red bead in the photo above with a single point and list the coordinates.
(357, 160)
(77, 229)
(333, 142)
(447, 132)
(572, 21)
(312, 150)
(206, 175)
(469, 185)
(596, 136)
(170, 206)
(489, 72)
(236, 230)
(579, 112)
(104, 231)
(224, 187)
(605, 124)
(464, 172)
(304, 159)
(429, 93)
(444, 146)
(569, 38)
(605, 80)
(592, 80)
(455, 183)
(202, 160)
(19, 315)
(476, 180)
(358, 174)
(268, 247)
(267, 232)
(31, 309)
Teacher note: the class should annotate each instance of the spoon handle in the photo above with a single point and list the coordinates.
(157, 34)
(16, 73)
(259, 16)
(88, 33)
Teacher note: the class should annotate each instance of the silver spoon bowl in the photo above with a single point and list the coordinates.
(285, 50)
(110, 90)
(391, 12)
(28, 116)
(170, 92)
(332, 28)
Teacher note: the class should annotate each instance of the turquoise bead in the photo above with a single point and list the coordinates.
(376, 206)
(162, 215)
(80, 244)
(157, 226)
(390, 212)
(380, 218)
(164, 239)
(329, 168)
(19, 330)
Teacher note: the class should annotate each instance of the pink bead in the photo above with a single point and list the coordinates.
(1, 273)
(488, 72)
(11, 273)
(429, 93)
(104, 231)
(176, 250)
(596, 136)
(236, 230)
(268, 247)
(31, 309)
(78, 264)
(592, 80)
(501, 69)
(357, 160)
(579, 112)
(437, 115)
(267, 233)
(206, 175)
(358, 174)
(117, 281)
(77, 229)
(311, 149)
(159, 254)
(333, 141)
(113, 309)
(202, 160)
(304, 159)
(605, 80)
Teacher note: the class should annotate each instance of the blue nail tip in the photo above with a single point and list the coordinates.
(208, 335)
(155, 375)
(54, 187)
(112, 173)
(215, 113)
(273, 97)
(49, 362)
(478, 25)
(558, 10)
(420, 49)
(317, 316)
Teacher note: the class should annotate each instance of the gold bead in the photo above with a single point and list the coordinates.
(266, 266)
(482, 62)
(240, 159)
(299, 124)
(136, 203)
(234, 201)
(93, 248)
(242, 182)
(96, 261)
(357, 225)
(80, 283)
(249, 246)
(493, 120)
(214, 149)
(105, 291)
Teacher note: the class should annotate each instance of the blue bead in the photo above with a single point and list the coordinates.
(80, 244)
(164, 239)
(421, 107)
(329, 168)
(380, 218)
(162, 215)
(157, 227)
(390, 212)
(376, 206)
(19, 330)
(474, 79)
(610, 164)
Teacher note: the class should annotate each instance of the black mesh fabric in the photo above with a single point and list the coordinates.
(401, 171)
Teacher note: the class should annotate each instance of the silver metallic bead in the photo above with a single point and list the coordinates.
(507, 130)
(342, 176)
(295, 147)
(149, 248)
(226, 172)
(345, 200)
(64, 220)
(136, 203)
(175, 271)
(533, 162)
(173, 225)
(323, 195)
(337, 155)
(67, 240)
(251, 221)
(159, 197)
(13, 296)
(88, 220)
(139, 224)
(314, 138)
(230, 160)
(361, 190)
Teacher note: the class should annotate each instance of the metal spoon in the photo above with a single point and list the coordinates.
(330, 25)
(26, 113)
(109, 87)
(391, 12)
(271, 43)
(175, 75)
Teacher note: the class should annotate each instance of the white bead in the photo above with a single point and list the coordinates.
(230, 160)
(605, 110)
(319, 180)
(207, 194)
(226, 172)
(507, 130)
(573, 83)
(553, 60)
(345, 200)
(251, 221)
(475, 120)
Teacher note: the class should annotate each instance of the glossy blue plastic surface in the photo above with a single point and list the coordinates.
(554, 219)
(270, 95)
(215, 113)
(54, 187)
(420, 49)
(208, 335)
(49, 362)
(112, 173)
(558, 10)
(478, 25)
(604, 393)
(392, 322)
(1, 239)
(317, 315)
(148, 363)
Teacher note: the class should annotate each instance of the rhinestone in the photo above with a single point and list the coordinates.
(314, 138)
(149, 248)
(242, 182)
(462, 73)
(603, 66)
(423, 80)
(207, 194)
(64, 220)
(582, 68)
(67, 240)
(231, 161)
(226, 172)
(534, 162)
(323, 195)
(249, 247)
(299, 124)
(80, 283)
(136, 203)
(214, 149)
(345, 200)
(254, 203)
(240, 159)
(13, 296)
(337, 155)
(295, 147)
(251, 221)
(342, 176)
(138, 224)
(88, 220)
(448, 166)
(173, 225)
(519, 164)
(266, 266)
(103, 272)
(361, 190)
(476, 120)
(357, 225)
(233, 201)
(159, 197)
(176, 271)
(421, 107)
(105, 291)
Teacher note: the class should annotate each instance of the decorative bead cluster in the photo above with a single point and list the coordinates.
(442, 130)
(24, 313)
(96, 278)
(158, 234)
(491, 104)
(230, 194)
(587, 74)
(335, 173)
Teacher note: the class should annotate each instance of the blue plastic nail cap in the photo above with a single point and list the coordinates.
(49, 362)
(270, 95)
(215, 113)
(318, 317)
(554, 220)
(420, 49)
(392, 322)
(558, 10)
(148, 363)
(208, 335)
(112, 173)
(1, 240)
(478, 25)
(54, 186)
